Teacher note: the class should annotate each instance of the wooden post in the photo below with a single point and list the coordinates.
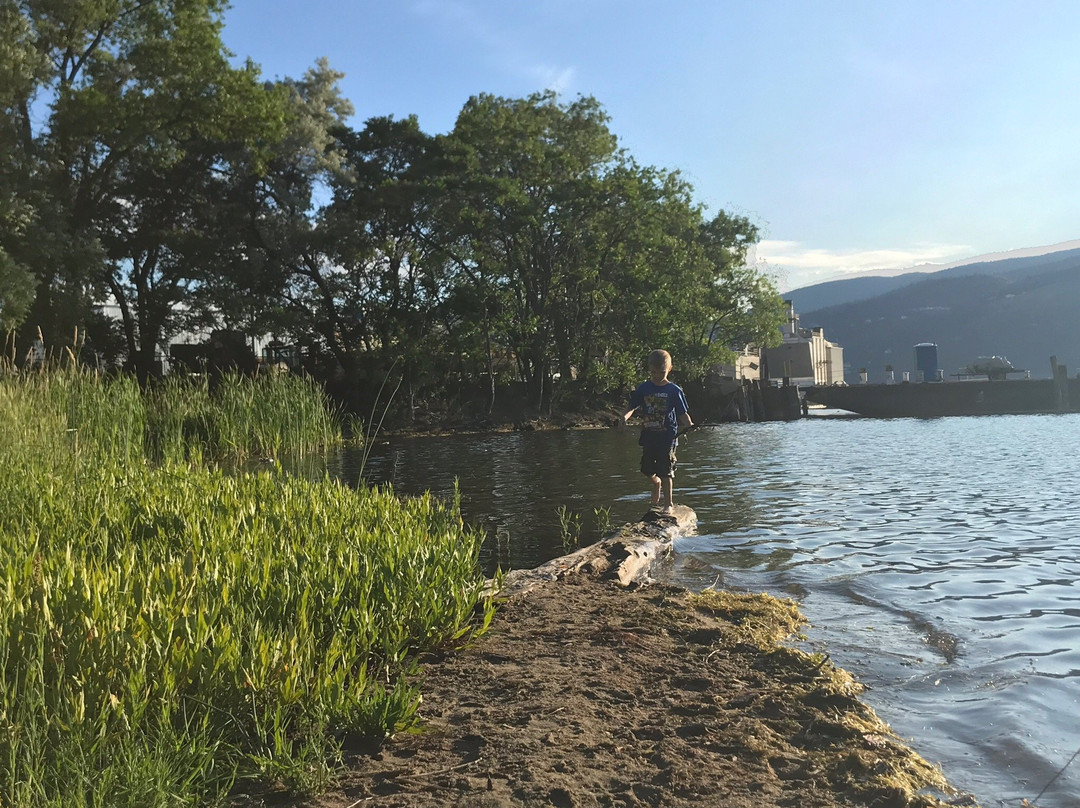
(758, 403)
(1061, 385)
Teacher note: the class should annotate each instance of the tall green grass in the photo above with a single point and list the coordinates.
(167, 628)
(240, 417)
(178, 418)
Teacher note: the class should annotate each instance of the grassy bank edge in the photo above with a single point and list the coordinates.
(167, 628)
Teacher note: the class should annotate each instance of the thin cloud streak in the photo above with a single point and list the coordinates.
(554, 78)
(503, 47)
(794, 265)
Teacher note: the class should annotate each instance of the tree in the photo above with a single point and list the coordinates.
(20, 68)
(583, 259)
(299, 259)
(144, 113)
(645, 246)
(744, 305)
(278, 198)
(389, 259)
(525, 184)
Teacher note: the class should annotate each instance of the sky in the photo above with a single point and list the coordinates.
(861, 137)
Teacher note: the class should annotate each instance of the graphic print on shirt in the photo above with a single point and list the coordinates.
(654, 411)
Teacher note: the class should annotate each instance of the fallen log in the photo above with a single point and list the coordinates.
(626, 556)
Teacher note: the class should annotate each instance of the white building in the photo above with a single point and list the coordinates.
(804, 356)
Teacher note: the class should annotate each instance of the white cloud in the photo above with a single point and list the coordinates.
(795, 265)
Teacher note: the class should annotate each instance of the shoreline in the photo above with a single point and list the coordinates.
(500, 427)
(595, 689)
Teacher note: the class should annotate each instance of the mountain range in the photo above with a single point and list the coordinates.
(1024, 308)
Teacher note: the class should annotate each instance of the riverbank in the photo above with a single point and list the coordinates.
(517, 421)
(585, 693)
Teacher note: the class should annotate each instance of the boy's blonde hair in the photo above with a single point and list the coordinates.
(659, 360)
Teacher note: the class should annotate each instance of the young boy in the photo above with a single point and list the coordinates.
(662, 406)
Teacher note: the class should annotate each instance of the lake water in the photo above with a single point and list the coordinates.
(935, 559)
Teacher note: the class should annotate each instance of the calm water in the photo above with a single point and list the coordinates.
(936, 559)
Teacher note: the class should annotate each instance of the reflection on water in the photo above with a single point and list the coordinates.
(936, 559)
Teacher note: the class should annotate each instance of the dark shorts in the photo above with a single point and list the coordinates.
(658, 460)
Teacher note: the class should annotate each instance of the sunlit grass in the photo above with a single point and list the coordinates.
(166, 628)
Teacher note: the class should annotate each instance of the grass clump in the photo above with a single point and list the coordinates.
(761, 620)
(167, 628)
(238, 417)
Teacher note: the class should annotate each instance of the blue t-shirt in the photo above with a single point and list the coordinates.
(659, 407)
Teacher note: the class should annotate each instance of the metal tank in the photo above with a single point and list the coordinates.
(926, 365)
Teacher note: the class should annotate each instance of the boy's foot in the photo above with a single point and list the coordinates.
(668, 509)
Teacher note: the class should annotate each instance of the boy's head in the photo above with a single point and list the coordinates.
(659, 363)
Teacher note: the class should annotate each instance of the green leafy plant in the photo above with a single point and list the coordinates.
(602, 516)
(569, 528)
(168, 627)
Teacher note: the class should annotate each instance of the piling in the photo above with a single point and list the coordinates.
(1061, 385)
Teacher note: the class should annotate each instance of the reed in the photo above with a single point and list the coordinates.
(569, 528)
(240, 418)
(168, 628)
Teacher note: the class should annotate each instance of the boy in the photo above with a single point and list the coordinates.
(662, 406)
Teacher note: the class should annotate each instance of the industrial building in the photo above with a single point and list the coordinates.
(804, 356)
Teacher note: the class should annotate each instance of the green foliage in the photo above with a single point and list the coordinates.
(167, 629)
(239, 418)
(524, 246)
(569, 528)
(125, 175)
(603, 521)
(585, 260)
(16, 292)
(273, 240)
(526, 185)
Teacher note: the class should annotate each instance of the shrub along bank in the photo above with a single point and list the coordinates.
(167, 627)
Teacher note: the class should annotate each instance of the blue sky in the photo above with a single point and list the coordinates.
(860, 136)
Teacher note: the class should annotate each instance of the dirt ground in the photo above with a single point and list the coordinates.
(586, 694)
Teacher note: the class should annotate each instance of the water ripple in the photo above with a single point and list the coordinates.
(935, 558)
(945, 529)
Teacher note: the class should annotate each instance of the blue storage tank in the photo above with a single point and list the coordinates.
(926, 369)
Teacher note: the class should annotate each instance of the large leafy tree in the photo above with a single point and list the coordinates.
(21, 68)
(742, 306)
(389, 277)
(584, 259)
(643, 277)
(272, 212)
(527, 182)
(144, 110)
(332, 249)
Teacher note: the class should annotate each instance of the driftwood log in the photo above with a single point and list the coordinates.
(626, 556)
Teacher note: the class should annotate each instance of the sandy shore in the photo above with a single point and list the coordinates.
(588, 693)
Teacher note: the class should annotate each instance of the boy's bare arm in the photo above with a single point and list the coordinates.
(684, 420)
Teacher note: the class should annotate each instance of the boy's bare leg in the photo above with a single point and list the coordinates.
(655, 490)
(669, 492)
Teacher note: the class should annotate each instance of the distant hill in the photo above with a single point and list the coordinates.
(1025, 309)
(836, 293)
